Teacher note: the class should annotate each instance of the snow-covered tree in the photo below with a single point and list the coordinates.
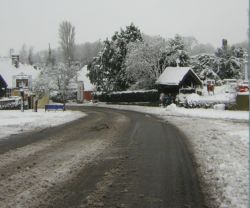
(175, 50)
(142, 62)
(107, 70)
(244, 45)
(205, 66)
(56, 78)
(229, 61)
(42, 85)
(226, 63)
(62, 75)
(229, 68)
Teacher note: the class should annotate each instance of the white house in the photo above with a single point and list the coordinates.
(16, 78)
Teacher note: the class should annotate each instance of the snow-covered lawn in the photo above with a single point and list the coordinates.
(15, 121)
(219, 140)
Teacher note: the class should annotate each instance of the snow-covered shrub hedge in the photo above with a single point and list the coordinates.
(58, 97)
(196, 101)
(128, 96)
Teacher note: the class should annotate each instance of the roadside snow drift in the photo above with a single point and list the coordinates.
(15, 121)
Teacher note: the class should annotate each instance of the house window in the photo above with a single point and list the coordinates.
(22, 83)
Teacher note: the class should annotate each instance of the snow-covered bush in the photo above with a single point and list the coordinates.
(196, 101)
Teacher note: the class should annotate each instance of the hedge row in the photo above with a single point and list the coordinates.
(128, 96)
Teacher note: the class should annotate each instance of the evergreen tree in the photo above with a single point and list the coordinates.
(205, 65)
(107, 70)
(226, 63)
(175, 50)
(229, 61)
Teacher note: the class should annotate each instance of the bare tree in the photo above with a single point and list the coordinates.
(67, 41)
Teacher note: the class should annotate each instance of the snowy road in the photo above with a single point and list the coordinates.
(220, 145)
(108, 159)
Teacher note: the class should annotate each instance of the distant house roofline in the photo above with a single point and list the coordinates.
(10, 72)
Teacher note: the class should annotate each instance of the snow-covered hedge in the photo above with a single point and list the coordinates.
(196, 101)
(128, 96)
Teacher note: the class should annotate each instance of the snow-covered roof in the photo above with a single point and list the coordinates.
(173, 75)
(7, 71)
(82, 76)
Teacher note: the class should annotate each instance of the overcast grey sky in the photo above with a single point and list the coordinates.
(36, 22)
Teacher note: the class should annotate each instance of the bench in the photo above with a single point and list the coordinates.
(54, 107)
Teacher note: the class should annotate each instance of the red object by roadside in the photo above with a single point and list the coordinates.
(87, 95)
(243, 88)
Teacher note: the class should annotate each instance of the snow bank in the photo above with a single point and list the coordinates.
(209, 113)
(220, 148)
(15, 121)
(219, 107)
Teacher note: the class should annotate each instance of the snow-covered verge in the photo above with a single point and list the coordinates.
(15, 121)
(219, 142)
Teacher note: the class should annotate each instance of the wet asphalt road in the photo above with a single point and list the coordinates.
(145, 164)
